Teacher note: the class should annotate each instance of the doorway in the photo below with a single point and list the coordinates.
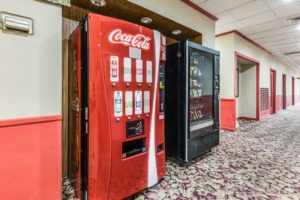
(247, 88)
(284, 91)
(293, 91)
(272, 91)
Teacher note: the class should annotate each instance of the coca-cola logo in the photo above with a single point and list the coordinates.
(139, 40)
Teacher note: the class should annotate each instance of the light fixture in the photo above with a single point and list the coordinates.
(146, 20)
(298, 27)
(99, 3)
(176, 32)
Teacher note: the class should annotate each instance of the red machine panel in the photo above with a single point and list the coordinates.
(122, 114)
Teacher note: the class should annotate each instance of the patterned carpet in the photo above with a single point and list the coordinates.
(261, 160)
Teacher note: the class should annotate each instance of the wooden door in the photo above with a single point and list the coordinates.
(273, 92)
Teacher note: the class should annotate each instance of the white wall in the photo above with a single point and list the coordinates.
(180, 12)
(30, 67)
(239, 97)
(229, 43)
(267, 62)
(225, 45)
(297, 91)
(247, 101)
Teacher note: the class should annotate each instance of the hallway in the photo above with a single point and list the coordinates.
(261, 160)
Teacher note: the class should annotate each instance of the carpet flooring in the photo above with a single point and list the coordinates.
(259, 161)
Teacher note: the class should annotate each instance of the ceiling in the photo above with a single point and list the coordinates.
(263, 21)
(133, 13)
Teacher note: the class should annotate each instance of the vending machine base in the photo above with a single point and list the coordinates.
(202, 144)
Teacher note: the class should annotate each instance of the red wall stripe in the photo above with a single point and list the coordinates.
(264, 114)
(31, 159)
(288, 100)
(279, 102)
(228, 114)
(30, 120)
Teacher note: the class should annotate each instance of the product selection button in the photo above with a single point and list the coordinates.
(114, 68)
(128, 103)
(127, 69)
(139, 71)
(138, 102)
(118, 104)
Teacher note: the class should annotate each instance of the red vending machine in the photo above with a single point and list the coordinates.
(117, 110)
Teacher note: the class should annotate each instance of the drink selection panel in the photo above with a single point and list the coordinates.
(134, 99)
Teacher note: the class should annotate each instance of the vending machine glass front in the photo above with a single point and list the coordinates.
(201, 67)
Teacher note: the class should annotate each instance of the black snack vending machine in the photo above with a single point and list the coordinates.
(192, 100)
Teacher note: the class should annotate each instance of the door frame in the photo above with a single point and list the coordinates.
(273, 91)
(293, 91)
(283, 91)
(238, 54)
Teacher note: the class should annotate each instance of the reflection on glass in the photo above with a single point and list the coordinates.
(162, 87)
(201, 86)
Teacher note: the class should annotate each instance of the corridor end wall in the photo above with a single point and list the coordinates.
(30, 109)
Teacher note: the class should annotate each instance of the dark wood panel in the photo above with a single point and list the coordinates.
(128, 11)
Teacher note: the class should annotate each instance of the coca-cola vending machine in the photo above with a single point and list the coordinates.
(117, 108)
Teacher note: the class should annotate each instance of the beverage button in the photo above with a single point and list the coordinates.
(138, 116)
(127, 84)
(118, 119)
(114, 84)
(139, 84)
(149, 84)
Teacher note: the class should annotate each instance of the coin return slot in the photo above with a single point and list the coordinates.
(133, 147)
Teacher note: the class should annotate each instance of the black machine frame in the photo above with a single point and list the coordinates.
(181, 142)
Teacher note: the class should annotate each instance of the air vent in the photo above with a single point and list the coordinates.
(291, 53)
(294, 20)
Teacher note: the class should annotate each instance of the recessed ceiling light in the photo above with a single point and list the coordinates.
(146, 20)
(298, 27)
(176, 32)
(99, 3)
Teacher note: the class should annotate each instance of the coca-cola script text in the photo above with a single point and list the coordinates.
(138, 40)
